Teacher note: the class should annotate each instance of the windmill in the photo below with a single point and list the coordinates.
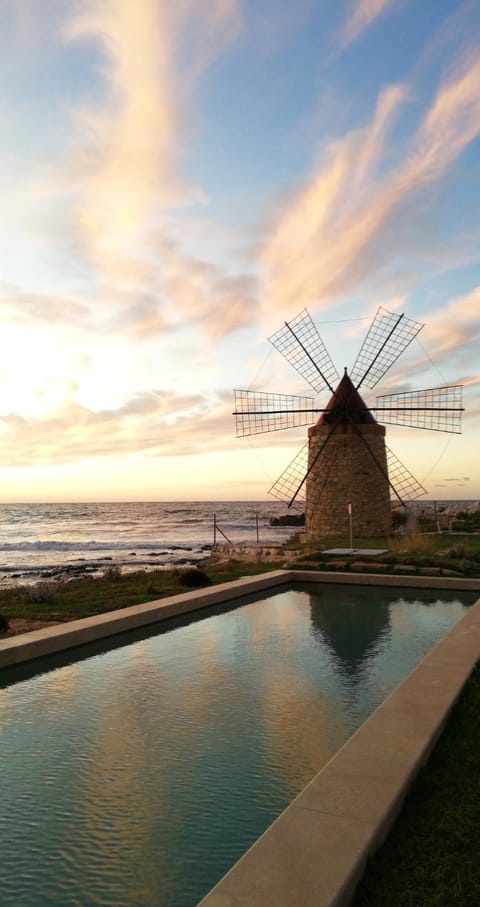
(345, 465)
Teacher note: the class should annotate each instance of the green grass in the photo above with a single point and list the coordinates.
(436, 541)
(432, 856)
(84, 597)
(50, 601)
(415, 551)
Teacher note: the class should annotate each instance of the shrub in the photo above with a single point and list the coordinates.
(112, 573)
(40, 593)
(194, 578)
(399, 518)
(416, 543)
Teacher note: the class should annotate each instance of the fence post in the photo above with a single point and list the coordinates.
(256, 525)
(217, 528)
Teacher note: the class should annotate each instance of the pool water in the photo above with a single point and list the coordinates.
(139, 774)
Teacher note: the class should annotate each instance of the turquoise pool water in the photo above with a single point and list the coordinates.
(136, 776)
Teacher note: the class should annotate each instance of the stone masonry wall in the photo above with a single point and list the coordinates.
(344, 473)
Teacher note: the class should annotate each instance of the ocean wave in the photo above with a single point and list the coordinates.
(96, 546)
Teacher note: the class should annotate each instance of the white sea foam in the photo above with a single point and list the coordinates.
(36, 539)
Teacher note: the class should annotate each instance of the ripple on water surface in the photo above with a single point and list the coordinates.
(139, 775)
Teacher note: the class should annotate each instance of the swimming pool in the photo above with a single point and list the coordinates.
(139, 774)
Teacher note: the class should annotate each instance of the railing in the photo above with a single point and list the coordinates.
(216, 529)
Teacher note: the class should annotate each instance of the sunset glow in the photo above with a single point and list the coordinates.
(179, 179)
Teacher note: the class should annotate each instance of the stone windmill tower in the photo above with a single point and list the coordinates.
(345, 465)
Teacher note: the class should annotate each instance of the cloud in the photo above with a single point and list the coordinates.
(123, 179)
(126, 161)
(336, 230)
(125, 170)
(363, 14)
(22, 307)
(448, 346)
(205, 295)
(456, 325)
(155, 421)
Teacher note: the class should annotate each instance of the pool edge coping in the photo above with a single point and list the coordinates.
(347, 809)
(316, 851)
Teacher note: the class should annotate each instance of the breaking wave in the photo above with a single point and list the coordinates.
(95, 546)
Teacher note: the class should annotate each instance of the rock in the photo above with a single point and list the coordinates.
(289, 519)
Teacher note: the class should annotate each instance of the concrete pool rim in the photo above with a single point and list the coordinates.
(315, 852)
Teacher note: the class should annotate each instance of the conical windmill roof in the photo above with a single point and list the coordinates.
(346, 406)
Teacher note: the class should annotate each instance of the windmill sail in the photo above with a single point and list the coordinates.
(257, 412)
(406, 486)
(436, 409)
(287, 487)
(387, 338)
(301, 345)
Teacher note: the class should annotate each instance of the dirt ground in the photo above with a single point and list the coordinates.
(17, 625)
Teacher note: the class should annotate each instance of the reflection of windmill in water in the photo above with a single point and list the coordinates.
(351, 622)
(345, 461)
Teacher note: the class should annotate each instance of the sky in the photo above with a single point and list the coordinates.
(180, 179)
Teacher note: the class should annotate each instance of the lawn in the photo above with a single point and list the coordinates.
(50, 601)
(432, 856)
(447, 554)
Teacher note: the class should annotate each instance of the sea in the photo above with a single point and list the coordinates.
(62, 541)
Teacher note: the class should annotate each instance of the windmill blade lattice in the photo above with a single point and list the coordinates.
(301, 345)
(387, 338)
(406, 486)
(291, 486)
(257, 412)
(436, 409)
(288, 483)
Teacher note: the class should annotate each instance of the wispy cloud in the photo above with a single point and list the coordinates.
(362, 15)
(332, 233)
(126, 170)
(163, 424)
(446, 352)
(126, 161)
(457, 326)
(37, 309)
(204, 295)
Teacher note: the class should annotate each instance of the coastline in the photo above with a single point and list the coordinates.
(65, 541)
(82, 568)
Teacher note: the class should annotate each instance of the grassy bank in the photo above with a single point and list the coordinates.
(431, 858)
(443, 554)
(49, 601)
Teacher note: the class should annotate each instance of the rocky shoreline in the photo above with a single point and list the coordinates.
(175, 556)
